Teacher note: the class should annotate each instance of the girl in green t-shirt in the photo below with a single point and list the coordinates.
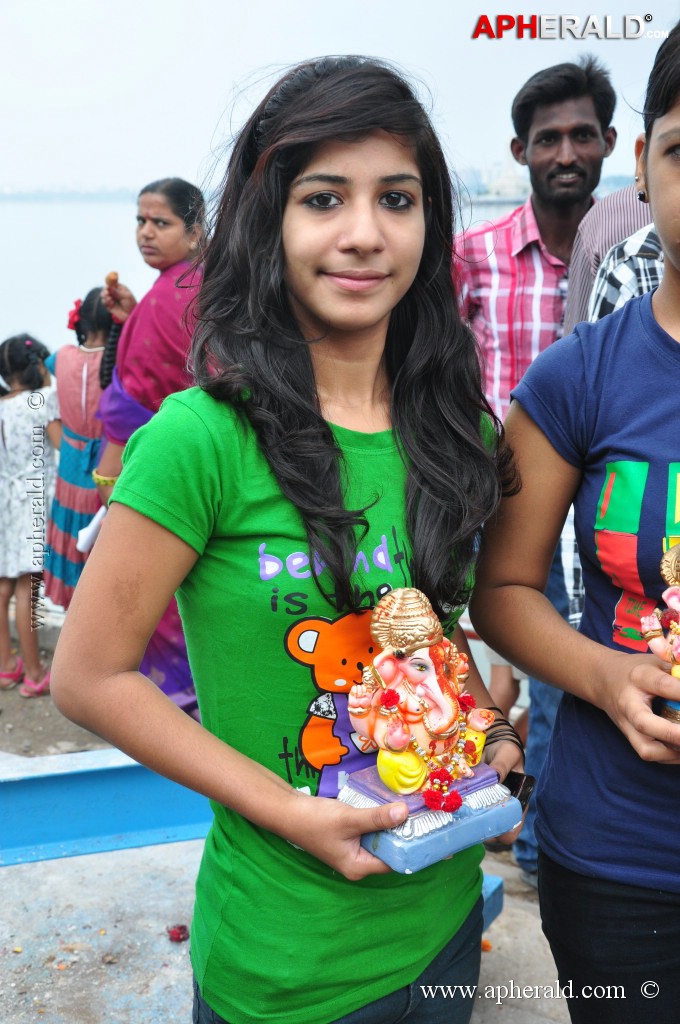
(338, 444)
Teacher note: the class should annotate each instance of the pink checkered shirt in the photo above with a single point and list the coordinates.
(512, 291)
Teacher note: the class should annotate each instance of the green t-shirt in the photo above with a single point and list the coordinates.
(277, 935)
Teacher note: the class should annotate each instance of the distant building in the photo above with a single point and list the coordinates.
(508, 182)
(510, 186)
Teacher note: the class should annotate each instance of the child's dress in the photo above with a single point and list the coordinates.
(28, 469)
(76, 499)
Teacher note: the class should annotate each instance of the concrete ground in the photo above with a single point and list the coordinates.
(83, 940)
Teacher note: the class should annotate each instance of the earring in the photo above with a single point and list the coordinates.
(642, 196)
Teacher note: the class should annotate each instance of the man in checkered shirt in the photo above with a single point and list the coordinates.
(629, 269)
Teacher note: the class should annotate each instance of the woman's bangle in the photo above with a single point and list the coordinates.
(103, 481)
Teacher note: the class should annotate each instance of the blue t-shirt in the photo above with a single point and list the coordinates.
(606, 397)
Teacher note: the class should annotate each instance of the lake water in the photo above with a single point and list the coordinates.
(56, 250)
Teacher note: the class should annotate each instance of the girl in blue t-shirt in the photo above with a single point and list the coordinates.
(327, 315)
(592, 423)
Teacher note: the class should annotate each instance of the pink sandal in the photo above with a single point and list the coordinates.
(8, 680)
(31, 688)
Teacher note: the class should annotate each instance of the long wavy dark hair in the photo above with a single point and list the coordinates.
(248, 348)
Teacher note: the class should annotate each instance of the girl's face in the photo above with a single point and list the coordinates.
(162, 237)
(659, 175)
(353, 236)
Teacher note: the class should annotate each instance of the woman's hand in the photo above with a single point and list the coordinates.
(628, 684)
(331, 831)
(119, 301)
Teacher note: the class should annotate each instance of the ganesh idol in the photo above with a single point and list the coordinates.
(661, 630)
(411, 702)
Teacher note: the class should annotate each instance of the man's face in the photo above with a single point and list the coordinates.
(564, 151)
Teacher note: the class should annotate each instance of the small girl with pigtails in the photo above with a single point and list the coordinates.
(76, 502)
(30, 434)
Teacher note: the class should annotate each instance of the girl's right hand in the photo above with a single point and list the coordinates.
(119, 301)
(631, 682)
(331, 831)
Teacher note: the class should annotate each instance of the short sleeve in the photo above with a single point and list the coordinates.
(171, 473)
(488, 434)
(553, 393)
(51, 407)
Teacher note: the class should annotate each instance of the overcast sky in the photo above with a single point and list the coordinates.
(118, 93)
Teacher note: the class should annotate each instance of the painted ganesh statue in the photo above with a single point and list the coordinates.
(411, 703)
(661, 630)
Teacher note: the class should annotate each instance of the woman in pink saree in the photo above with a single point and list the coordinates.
(150, 364)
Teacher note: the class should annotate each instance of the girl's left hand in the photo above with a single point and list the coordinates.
(505, 757)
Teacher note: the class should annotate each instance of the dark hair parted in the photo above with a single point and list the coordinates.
(564, 82)
(21, 362)
(184, 199)
(248, 348)
(663, 86)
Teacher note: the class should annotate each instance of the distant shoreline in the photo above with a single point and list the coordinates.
(493, 199)
(122, 195)
(129, 195)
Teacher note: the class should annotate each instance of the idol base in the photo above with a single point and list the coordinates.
(488, 810)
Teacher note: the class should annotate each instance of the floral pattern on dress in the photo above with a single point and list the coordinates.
(28, 469)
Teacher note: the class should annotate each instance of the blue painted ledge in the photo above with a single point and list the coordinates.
(64, 805)
(70, 804)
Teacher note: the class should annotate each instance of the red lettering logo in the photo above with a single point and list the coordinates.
(506, 23)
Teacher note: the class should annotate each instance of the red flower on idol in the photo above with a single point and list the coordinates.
(389, 699)
(467, 702)
(437, 801)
